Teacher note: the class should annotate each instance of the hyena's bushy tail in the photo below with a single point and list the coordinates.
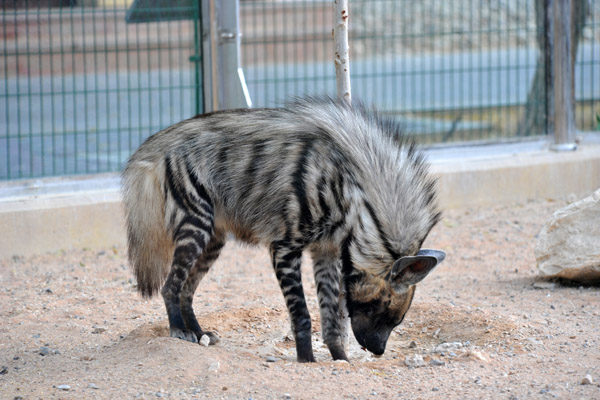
(150, 245)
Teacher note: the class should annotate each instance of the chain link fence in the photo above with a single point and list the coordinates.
(81, 88)
(83, 82)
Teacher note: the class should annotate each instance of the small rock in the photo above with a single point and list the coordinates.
(3, 370)
(414, 361)
(272, 359)
(64, 387)
(47, 290)
(287, 396)
(587, 380)
(477, 355)
(205, 340)
(447, 347)
(93, 386)
(99, 329)
(533, 340)
(436, 362)
(435, 389)
(544, 285)
(44, 351)
(214, 367)
(412, 344)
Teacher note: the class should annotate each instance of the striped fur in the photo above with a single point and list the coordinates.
(336, 180)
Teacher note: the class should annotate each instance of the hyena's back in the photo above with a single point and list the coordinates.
(308, 173)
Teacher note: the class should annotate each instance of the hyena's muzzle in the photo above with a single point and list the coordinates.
(376, 306)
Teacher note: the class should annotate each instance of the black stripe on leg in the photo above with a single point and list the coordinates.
(347, 264)
(305, 218)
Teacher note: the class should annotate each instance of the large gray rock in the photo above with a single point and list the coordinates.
(569, 244)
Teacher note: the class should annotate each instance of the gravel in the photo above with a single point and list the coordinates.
(414, 361)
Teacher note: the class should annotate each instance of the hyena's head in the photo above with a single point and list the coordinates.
(377, 305)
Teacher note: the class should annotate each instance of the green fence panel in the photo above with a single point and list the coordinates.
(80, 88)
(451, 70)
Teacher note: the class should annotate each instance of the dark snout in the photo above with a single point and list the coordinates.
(374, 341)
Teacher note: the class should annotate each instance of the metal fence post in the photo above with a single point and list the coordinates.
(225, 85)
(562, 64)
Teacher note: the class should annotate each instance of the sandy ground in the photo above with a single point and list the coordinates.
(73, 326)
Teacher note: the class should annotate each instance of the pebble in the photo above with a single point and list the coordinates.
(544, 285)
(412, 344)
(64, 387)
(477, 355)
(93, 386)
(436, 362)
(44, 351)
(3, 370)
(205, 340)
(414, 361)
(99, 329)
(447, 347)
(214, 366)
(287, 396)
(435, 389)
(587, 380)
(271, 359)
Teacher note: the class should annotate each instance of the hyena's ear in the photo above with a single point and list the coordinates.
(407, 271)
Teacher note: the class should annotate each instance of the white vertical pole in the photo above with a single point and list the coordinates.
(564, 96)
(342, 74)
(341, 56)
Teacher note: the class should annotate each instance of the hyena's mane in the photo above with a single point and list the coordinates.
(398, 194)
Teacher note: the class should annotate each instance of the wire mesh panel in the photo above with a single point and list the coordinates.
(80, 88)
(451, 70)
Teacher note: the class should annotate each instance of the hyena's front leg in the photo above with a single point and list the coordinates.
(200, 268)
(191, 238)
(287, 261)
(327, 278)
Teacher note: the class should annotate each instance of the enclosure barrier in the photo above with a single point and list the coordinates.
(82, 83)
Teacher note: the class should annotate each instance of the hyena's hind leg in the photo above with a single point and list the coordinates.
(200, 268)
(192, 235)
(286, 261)
(327, 277)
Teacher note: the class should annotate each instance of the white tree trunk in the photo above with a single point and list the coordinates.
(341, 57)
(342, 74)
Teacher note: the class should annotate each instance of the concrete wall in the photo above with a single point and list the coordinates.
(65, 213)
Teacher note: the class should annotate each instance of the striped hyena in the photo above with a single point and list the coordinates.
(337, 180)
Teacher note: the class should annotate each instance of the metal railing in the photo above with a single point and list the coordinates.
(80, 88)
(452, 70)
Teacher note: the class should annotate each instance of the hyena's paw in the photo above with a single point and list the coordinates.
(214, 339)
(338, 353)
(184, 334)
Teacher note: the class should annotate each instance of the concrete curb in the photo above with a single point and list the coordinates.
(85, 212)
